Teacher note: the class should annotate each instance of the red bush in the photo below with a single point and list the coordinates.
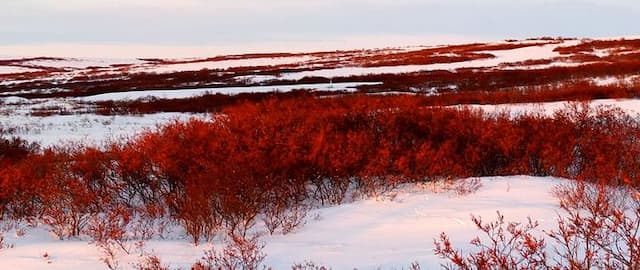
(14, 149)
(509, 246)
(599, 230)
(270, 160)
(240, 253)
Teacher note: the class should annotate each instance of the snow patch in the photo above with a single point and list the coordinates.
(81, 63)
(14, 70)
(225, 64)
(88, 129)
(187, 93)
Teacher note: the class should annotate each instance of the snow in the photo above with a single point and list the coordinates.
(627, 80)
(391, 234)
(604, 81)
(17, 106)
(255, 78)
(34, 91)
(545, 66)
(225, 64)
(601, 52)
(629, 106)
(13, 100)
(81, 63)
(89, 129)
(14, 69)
(388, 93)
(376, 233)
(502, 56)
(187, 93)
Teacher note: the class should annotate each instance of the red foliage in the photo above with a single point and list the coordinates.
(268, 160)
(14, 149)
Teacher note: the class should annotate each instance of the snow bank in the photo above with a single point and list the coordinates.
(391, 234)
(370, 234)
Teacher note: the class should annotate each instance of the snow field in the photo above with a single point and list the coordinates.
(384, 232)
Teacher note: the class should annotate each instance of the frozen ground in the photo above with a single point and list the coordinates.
(375, 233)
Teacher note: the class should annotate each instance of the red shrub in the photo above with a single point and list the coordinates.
(150, 262)
(239, 253)
(14, 149)
(269, 160)
(509, 246)
(598, 231)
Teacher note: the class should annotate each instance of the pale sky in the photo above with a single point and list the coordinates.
(248, 24)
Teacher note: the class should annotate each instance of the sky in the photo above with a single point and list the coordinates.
(159, 26)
